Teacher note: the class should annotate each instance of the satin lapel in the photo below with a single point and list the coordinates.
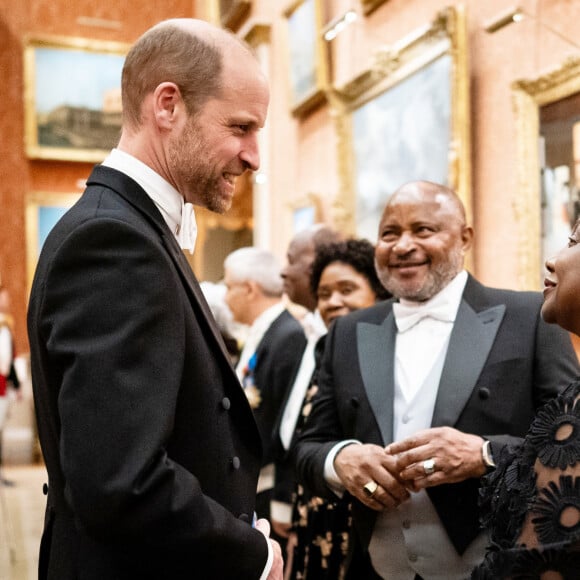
(376, 355)
(471, 340)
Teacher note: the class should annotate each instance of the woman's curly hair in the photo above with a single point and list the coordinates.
(359, 254)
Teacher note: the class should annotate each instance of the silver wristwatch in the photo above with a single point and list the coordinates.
(486, 454)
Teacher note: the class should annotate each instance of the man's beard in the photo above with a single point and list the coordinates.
(189, 159)
(437, 278)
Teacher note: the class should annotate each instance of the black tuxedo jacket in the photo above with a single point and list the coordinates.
(151, 447)
(503, 362)
(278, 356)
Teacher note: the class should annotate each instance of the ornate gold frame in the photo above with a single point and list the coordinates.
(446, 34)
(236, 14)
(528, 97)
(311, 202)
(35, 201)
(371, 5)
(316, 95)
(34, 149)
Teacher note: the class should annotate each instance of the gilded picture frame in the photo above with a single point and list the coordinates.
(232, 13)
(43, 210)
(308, 68)
(528, 96)
(306, 212)
(72, 97)
(405, 117)
(370, 6)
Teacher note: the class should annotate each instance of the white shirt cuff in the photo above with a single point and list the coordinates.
(269, 562)
(330, 474)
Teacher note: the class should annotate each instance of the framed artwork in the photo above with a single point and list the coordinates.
(233, 12)
(369, 6)
(538, 202)
(306, 212)
(43, 210)
(72, 96)
(405, 118)
(306, 49)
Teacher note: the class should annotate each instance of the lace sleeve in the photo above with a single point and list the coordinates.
(531, 502)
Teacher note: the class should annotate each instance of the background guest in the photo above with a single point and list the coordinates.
(296, 275)
(271, 354)
(531, 502)
(343, 279)
(233, 333)
(8, 378)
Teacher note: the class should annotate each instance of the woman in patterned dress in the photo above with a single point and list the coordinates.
(343, 279)
(531, 502)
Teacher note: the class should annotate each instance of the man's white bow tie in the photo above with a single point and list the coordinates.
(407, 316)
(188, 228)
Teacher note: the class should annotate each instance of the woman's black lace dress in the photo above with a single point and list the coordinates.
(531, 502)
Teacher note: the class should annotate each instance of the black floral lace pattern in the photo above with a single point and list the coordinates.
(550, 505)
(531, 564)
(561, 561)
(504, 499)
(555, 433)
(515, 507)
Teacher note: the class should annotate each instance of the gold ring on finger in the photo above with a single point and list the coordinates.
(370, 488)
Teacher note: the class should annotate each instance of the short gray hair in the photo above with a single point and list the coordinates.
(256, 265)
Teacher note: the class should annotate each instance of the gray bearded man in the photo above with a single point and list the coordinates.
(417, 395)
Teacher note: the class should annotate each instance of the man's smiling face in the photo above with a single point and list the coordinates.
(422, 241)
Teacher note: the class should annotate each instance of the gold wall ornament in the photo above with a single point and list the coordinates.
(307, 211)
(528, 96)
(233, 12)
(370, 6)
(344, 206)
(226, 13)
(438, 49)
(256, 33)
(307, 56)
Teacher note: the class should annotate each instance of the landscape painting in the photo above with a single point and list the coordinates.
(73, 98)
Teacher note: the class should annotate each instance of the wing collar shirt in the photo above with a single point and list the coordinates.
(314, 328)
(178, 215)
(424, 327)
(411, 370)
(418, 540)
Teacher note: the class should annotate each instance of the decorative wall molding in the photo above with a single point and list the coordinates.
(528, 95)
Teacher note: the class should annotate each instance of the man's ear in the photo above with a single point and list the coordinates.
(253, 289)
(467, 237)
(167, 104)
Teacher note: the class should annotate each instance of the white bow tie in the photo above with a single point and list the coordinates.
(407, 316)
(187, 234)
